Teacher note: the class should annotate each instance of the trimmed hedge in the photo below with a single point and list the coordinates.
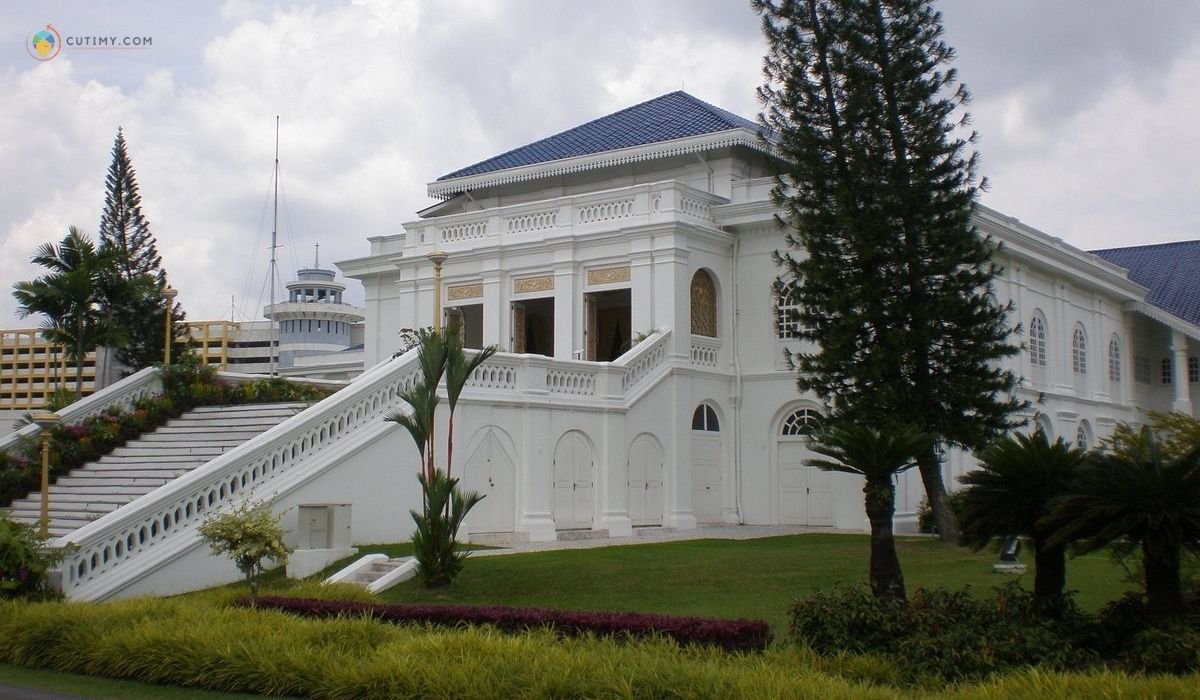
(956, 635)
(730, 635)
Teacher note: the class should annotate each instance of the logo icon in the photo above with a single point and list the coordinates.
(45, 44)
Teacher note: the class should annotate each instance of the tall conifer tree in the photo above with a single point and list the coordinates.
(125, 232)
(891, 279)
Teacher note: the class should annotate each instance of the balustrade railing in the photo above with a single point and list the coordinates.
(705, 351)
(114, 540)
(142, 384)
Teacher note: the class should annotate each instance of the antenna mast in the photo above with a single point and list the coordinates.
(273, 273)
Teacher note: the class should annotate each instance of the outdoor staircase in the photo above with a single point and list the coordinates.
(376, 572)
(154, 459)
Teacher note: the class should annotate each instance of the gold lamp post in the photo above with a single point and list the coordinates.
(437, 257)
(45, 420)
(169, 295)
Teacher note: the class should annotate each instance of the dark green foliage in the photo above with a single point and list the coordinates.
(892, 281)
(946, 634)
(190, 383)
(878, 455)
(25, 561)
(140, 309)
(439, 554)
(1010, 494)
(1136, 497)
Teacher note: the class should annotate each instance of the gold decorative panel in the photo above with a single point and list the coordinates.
(465, 291)
(608, 275)
(543, 283)
(704, 305)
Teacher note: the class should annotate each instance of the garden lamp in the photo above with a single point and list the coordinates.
(45, 420)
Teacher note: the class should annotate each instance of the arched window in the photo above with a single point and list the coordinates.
(787, 322)
(800, 422)
(705, 418)
(1083, 436)
(1114, 360)
(1079, 350)
(1037, 340)
(704, 305)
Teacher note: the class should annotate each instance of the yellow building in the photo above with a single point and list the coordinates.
(31, 368)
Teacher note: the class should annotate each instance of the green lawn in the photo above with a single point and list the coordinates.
(729, 578)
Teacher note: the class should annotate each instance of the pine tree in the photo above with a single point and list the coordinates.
(125, 232)
(877, 187)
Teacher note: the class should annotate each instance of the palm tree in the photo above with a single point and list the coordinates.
(878, 454)
(1010, 494)
(459, 369)
(444, 505)
(1137, 496)
(71, 297)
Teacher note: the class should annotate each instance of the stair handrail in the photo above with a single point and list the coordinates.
(142, 384)
(118, 537)
(104, 545)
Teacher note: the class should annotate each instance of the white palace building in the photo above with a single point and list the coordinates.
(624, 269)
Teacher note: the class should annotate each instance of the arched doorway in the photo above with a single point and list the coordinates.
(645, 481)
(706, 464)
(805, 493)
(574, 482)
(490, 471)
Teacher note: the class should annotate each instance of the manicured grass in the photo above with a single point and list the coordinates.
(726, 578)
(92, 687)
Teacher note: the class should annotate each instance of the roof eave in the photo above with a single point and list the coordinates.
(445, 189)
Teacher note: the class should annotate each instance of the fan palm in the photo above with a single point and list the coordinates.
(1137, 496)
(1010, 493)
(878, 454)
(70, 297)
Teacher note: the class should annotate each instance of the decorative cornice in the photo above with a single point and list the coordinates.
(444, 189)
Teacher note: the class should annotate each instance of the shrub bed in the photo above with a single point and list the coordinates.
(201, 644)
(187, 386)
(730, 635)
(956, 635)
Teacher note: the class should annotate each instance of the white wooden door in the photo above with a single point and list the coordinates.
(645, 482)
(805, 493)
(706, 477)
(574, 483)
(489, 471)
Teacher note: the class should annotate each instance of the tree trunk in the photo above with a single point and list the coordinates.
(887, 581)
(930, 466)
(1050, 578)
(1164, 593)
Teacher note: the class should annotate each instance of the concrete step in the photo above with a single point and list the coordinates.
(153, 482)
(145, 464)
(570, 535)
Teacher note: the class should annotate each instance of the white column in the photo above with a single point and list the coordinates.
(1179, 374)
(535, 475)
(566, 342)
(496, 313)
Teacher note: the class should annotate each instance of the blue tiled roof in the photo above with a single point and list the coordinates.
(1171, 271)
(673, 116)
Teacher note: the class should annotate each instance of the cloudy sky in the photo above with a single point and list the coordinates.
(1086, 111)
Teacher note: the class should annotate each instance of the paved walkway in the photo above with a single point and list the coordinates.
(647, 535)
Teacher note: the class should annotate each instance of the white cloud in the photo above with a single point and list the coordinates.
(376, 98)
